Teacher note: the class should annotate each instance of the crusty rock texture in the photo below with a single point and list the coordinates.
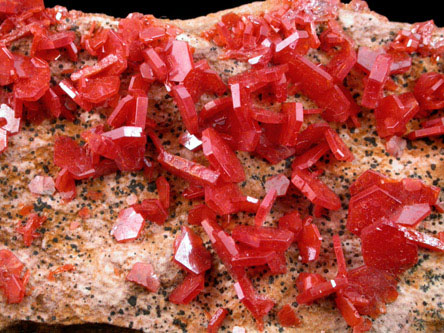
(96, 292)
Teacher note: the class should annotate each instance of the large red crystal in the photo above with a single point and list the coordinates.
(385, 247)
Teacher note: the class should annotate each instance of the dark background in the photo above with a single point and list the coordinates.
(395, 10)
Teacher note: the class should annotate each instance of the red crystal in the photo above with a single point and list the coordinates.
(340, 151)
(373, 90)
(394, 112)
(156, 63)
(287, 316)
(279, 182)
(245, 204)
(294, 118)
(429, 91)
(152, 210)
(186, 107)
(224, 246)
(187, 169)
(311, 156)
(311, 136)
(385, 246)
(68, 154)
(219, 198)
(309, 243)
(216, 320)
(369, 289)
(369, 206)
(7, 71)
(411, 215)
(199, 213)
(33, 78)
(151, 34)
(193, 192)
(66, 185)
(292, 221)
(122, 112)
(67, 88)
(266, 239)
(423, 240)
(221, 157)
(296, 43)
(214, 107)
(318, 85)
(130, 142)
(340, 259)
(99, 89)
(143, 274)
(315, 190)
(180, 60)
(426, 132)
(128, 226)
(265, 207)
(190, 253)
(11, 283)
(101, 66)
(163, 188)
(28, 231)
(321, 290)
(348, 310)
(190, 287)
(266, 116)
(258, 305)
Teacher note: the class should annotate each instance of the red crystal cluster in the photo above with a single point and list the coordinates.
(382, 212)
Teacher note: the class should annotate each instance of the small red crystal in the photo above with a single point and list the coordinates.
(128, 226)
(287, 316)
(190, 287)
(216, 320)
(143, 274)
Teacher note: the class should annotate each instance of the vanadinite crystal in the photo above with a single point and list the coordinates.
(11, 281)
(143, 274)
(142, 76)
(190, 252)
(128, 226)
